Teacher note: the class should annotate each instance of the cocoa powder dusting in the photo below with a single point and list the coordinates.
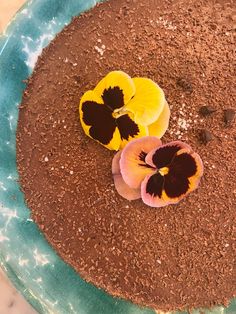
(177, 257)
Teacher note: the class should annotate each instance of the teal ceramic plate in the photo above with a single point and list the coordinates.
(49, 284)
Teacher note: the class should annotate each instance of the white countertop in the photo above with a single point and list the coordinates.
(11, 302)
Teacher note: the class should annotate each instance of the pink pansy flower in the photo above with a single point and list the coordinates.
(159, 174)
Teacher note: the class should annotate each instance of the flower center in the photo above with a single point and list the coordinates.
(117, 113)
(163, 171)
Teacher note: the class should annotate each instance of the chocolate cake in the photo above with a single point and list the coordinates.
(180, 256)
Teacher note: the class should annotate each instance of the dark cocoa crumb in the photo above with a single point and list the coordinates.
(205, 136)
(229, 115)
(206, 110)
(185, 84)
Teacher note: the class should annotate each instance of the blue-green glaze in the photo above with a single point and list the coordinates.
(49, 284)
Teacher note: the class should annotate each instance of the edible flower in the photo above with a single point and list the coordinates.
(120, 109)
(159, 174)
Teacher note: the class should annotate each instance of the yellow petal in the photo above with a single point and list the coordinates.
(94, 100)
(141, 131)
(88, 96)
(115, 142)
(117, 79)
(159, 127)
(148, 101)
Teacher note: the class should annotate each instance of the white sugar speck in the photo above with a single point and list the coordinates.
(167, 24)
(182, 123)
(100, 50)
(71, 171)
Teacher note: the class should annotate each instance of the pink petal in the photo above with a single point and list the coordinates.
(163, 199)
(134, 168)
(122, 188)
(150, 200)
(116, 163)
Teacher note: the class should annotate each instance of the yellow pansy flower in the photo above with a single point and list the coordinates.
(120, 109)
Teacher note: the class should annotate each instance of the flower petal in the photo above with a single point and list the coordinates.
(148, 101)
(113, 97)
(184, 175)
(132, 163)
(162, 156)
(159, 127)
(129, 130)
(116, 81)
(176, 186)
(92, 97)
(154, 199)
(152, 190)
(195, 179)
(115, 168)
(122, 188)
(184, 169)
(94, 116)
(183, 164)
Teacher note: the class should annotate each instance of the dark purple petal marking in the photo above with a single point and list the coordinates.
(142, 156)
(183, 165)
(164, 155)
(143, 163)
(175, 186)
(113, 98)
(176, 181)
(155, 184)
(99, 117)
(127, 127)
